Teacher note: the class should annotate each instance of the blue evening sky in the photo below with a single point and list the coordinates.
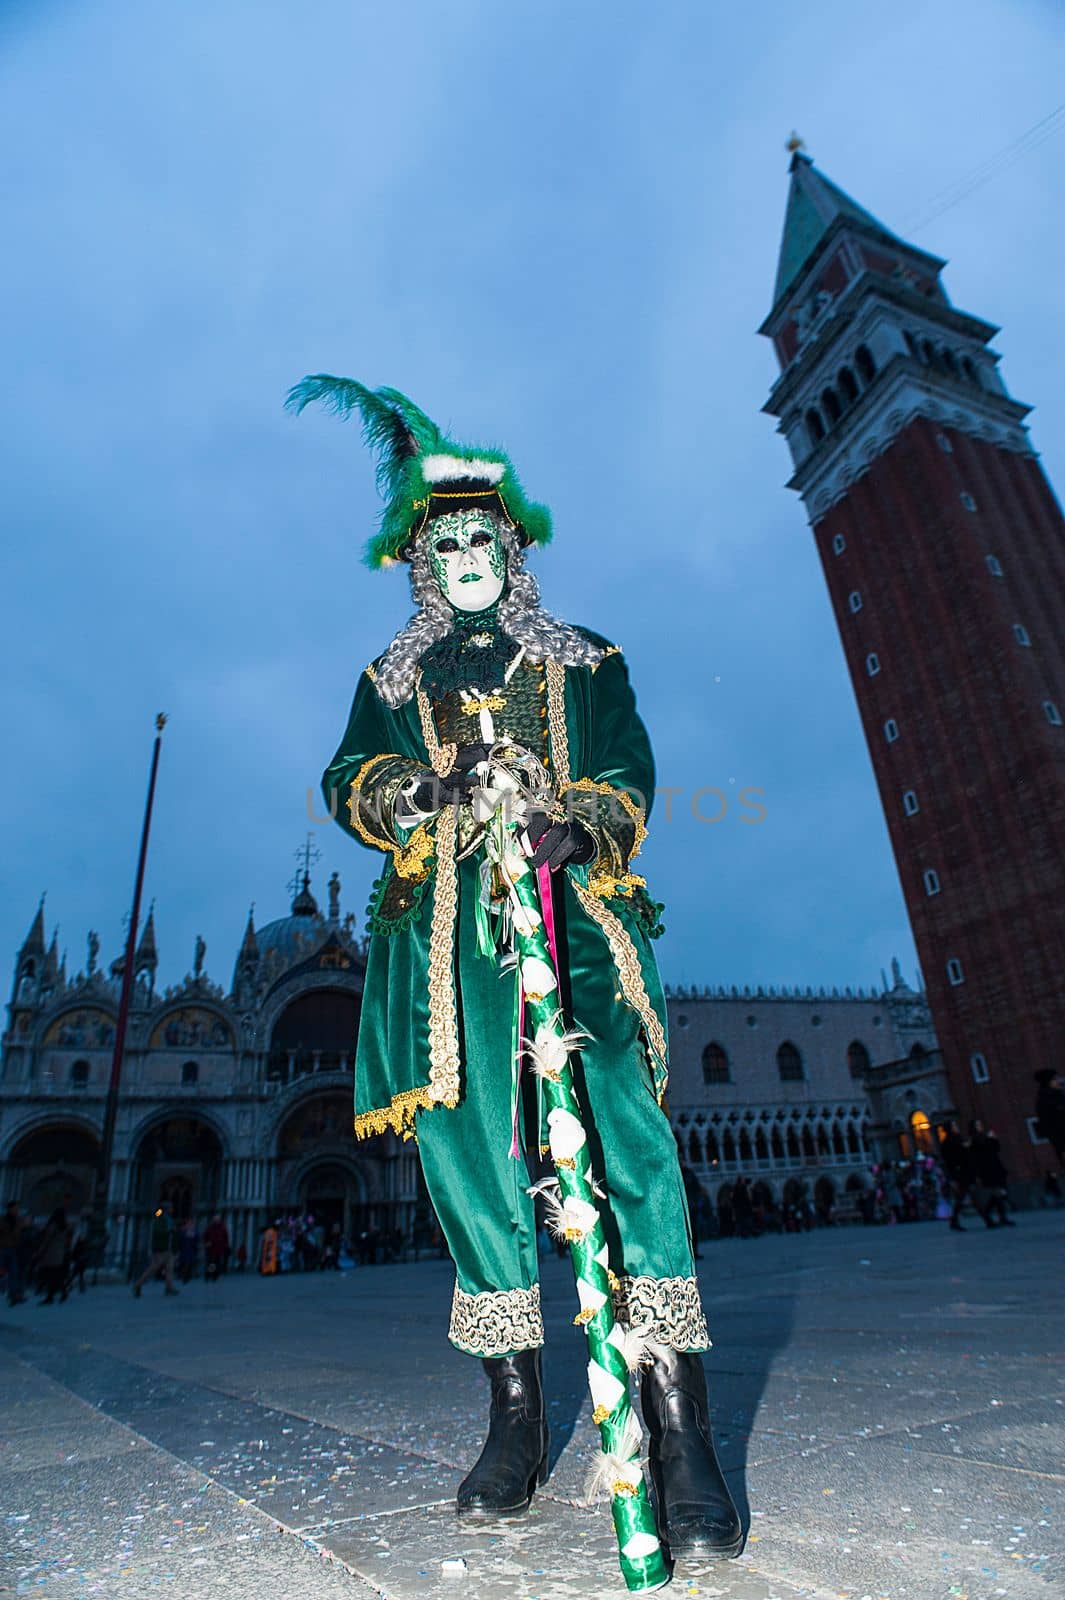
(555, 225)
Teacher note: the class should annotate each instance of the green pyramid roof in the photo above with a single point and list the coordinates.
(813, 206)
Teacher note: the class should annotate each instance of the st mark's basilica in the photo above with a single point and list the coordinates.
(238, 1099)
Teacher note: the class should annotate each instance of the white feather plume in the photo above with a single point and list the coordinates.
(613, 1467)
(444, 469)
(571, 1218)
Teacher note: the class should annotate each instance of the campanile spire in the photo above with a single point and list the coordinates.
(943, 548)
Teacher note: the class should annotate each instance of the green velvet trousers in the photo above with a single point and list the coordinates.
(478, 1189)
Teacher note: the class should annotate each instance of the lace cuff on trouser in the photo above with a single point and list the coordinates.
(496, 1323)
(666, 1310)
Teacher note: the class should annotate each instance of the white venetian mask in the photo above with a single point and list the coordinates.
(467, 558)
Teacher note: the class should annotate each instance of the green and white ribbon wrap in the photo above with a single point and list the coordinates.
(613, 1351)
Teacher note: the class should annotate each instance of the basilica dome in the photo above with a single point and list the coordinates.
(285, 941)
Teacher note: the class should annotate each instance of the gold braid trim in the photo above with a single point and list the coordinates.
(441, 756)
(555, 674)
(443, 1017)
(371, 673)
(624, 800)
(627, 964)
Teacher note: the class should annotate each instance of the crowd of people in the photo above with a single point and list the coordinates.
(966, 1172)
(45, 1256)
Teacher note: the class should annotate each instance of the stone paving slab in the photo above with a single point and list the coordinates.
(855, 1373)
(555, 1552)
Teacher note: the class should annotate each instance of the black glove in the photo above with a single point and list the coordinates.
(559, 843)
(469, 756)
(431, 792)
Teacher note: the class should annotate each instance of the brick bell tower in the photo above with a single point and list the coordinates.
(943, 548)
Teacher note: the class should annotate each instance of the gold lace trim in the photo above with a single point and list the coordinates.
(604, 885)
(412, 859)
(555, 674)
(498, 1322)
(625, 801)
(398, 1114)
(627, 964)
(443, 1017)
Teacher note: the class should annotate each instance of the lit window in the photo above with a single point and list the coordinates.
(944, 444)
(1052, 714)
(854, 600)
(954, 972)
(872, 663)
(978, 1063)
(931, 881)
(909, 803)
(891, 730)
(1020, 633)
(839, 544)
(994, 566)
(967, 500)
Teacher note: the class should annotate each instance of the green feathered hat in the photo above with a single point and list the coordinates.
(420, 473)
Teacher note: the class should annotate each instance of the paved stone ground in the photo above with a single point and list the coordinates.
(889, 1404)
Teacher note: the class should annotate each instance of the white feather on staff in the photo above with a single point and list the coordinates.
(633, 1344)
(550, 1050)
(616, 1471)
(538, 978)
(568, 1219)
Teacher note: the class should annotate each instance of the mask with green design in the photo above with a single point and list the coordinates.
(467, 558)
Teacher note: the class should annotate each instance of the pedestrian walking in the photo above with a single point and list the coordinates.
(215, 1248)
(162, 1247)
(52, 1254)
(991, 1176)
(188, 1249)
(1050, 1111)
(956, 1157)
(12, 1230)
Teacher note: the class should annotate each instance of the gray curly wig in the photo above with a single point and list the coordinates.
(520, 615)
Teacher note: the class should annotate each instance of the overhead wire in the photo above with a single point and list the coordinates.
(989, 168)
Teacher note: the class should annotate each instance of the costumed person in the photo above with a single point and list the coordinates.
(480, 667)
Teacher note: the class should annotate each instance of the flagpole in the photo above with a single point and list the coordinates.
(103, 1173)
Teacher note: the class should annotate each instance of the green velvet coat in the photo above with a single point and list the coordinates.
(431, 999)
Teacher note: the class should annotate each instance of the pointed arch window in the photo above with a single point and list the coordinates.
(831, 406)
(716, 1067)
(695, 1154)
(745, 1145)
(847, 385)
(858, 1061)
(789, 1063)
(814, 426)
(728, 1148)
(794, 1152)
(863, 360)
(776, 1144)
(761, 1146)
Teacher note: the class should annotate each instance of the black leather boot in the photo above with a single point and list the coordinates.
(514, 1458)
(695, 1510)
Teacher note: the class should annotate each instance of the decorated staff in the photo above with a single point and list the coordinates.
(480, 664)
(572, 1206)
